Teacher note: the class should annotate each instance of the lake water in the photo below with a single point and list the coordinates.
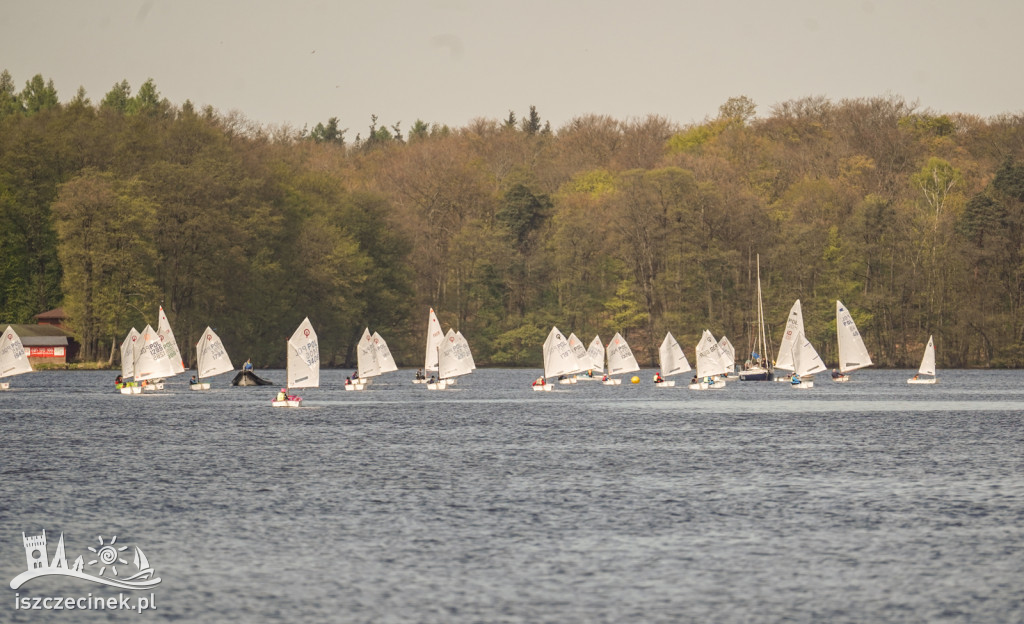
(872, 501)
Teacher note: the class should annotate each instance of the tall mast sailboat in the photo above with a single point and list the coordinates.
(760, 362)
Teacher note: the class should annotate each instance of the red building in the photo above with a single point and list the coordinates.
(48, 341)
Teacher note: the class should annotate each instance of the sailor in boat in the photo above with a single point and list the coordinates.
(835, 374)
(192, 381)
(604, 378)
(561, 377)
(658, 378)
(795, 379)
(282, 395)
(694, 380)
(915, 376)
(119, 382)
(419, 374)
(538, 381)
(348, 381)
(590, 373)
(247, 366)
(432, 380)
(355, 374)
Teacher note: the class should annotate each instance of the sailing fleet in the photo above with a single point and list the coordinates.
(151, 356)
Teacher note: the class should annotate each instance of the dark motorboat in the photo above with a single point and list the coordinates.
(249, 378)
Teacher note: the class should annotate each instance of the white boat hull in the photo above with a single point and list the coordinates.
(419, 381)
(131, 390)
(567, 380)
(286, 403)
(543, 388)
(438, 385)
(703, 385)
(199, 386)
(841, 379)
(668, 383)
(152, 387)
(929, 380)
(355, 386)
(4, 385)
(612, 382)
(803, 384)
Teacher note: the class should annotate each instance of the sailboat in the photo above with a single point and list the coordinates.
(582, 360)
(806, 363)
(595, 357)
(367, 364)
(303, 364)
(709, 364)
(672, 360)
(852, 352)
(454, 359)
(620, 360)
(927, 366)
(794, 326)
(760, 367)
(128, 364)
(163, 330)
(434, 337)
(559, 359)
(728, 354)
(13, 357)
(211, 359)
(150, 363)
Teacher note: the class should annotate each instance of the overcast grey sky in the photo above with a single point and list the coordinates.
(451, 61)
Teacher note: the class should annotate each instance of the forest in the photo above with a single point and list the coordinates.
(507, 226)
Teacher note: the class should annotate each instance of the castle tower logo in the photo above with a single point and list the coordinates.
(106, 564)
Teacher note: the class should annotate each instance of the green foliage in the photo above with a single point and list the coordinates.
(914, 221)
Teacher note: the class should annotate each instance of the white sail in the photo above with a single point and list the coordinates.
(434, 338)
(469, 353)
(558, 356)
(794, 326)
(304, 357)
(170, 344)
(580, 351)
(728, 354)
(852, 352)
(805, 359)
(211, 357)
(13, 357)
(620, 356)
(128, 354)
(709, 362)
(384, 358)
(453, 357)
(366, 356)
(596, 355)
(150, 357)
(672, 358)
(928, 361)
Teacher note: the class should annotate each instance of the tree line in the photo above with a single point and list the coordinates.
(915, 220)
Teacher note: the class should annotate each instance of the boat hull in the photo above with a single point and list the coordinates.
(355, 386)
(543, 388)
(928, 381)
(612, 382)
(755, 374)
(286, 403)
(567, 380)
(199, 386)
(5, 385)
(841, 378)
(668, 383)
(438, 385)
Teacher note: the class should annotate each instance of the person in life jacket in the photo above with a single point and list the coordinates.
(658, 378)
(282, 395)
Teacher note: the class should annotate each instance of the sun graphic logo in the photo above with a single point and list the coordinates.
(108, 555)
